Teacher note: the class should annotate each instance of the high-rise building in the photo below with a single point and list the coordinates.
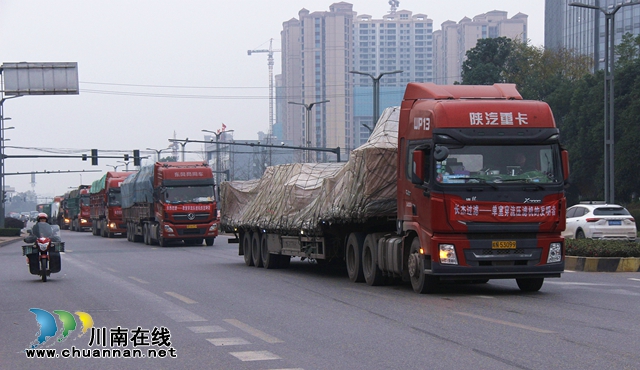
(316, 60)
(578, 29)
(452, 42)
(400, 40)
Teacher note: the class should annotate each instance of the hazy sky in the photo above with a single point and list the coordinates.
(148, 68)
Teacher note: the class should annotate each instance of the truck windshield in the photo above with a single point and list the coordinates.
(500, 164)
(85, 200)
(114, 198)
(189, 194)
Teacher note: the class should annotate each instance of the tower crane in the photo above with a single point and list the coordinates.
(270, 52)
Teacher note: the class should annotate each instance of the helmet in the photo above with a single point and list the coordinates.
(42, 215)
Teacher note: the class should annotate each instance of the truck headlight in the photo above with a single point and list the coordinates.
(168, 228)
(112, 225)
(555, 253)
(213, 228)
(448, 254)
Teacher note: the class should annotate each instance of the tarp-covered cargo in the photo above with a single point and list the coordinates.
(138, 187)
(101, 183)
(304, 195)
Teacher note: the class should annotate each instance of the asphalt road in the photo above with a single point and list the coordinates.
(218, 313)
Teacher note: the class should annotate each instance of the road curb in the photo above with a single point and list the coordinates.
(602, 264)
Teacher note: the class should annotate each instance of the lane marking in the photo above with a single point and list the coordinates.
(254, 355)
(207, 329)
(507, 323)
(138, 280)
(634, 279)
(181, 297)
(253, 331)
(112, 270)
(219, 342)
(160, 304)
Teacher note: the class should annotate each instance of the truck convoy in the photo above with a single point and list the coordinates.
(438, 193)
(170, 201)
(78, 207)
(106, 210)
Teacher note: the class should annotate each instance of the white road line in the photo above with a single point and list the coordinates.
(634, 279)
(253, 331)
(207, 329)
(220, 342)
(507, 323)
(138, 280)
(112, 270)
(160, 304)
(254, 355)
(181, 297)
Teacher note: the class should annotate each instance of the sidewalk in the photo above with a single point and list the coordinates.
(4, 240)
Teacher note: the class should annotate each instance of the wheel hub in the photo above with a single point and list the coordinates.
(413, 264)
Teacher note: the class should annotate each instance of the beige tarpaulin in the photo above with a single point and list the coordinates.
(304, 195)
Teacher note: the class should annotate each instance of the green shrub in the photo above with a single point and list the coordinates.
(13, 223)
(601, 248)
(9, 232)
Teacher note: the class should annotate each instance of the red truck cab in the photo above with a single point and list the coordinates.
(468, 206)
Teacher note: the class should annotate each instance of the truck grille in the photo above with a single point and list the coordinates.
(189, 217)
(503, 257)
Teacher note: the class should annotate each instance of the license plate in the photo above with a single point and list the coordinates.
(503, 244)
(192, 226)
(615, 222)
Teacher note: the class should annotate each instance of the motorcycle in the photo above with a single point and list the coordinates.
(43, 251)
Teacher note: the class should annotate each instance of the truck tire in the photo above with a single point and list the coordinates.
(420, 282)
(209, 241)
(145, 234)
(269, 261)
(353, 257)
(372, 274)
(246, 248)
(255, 249)
(94, 230)
(530, 285)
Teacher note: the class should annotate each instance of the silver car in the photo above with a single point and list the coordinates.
(600, 221)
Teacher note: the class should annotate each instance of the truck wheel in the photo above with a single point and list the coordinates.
(246, 247)
(420, 282)
(353, 258)
(94, 230)
(43, 270)
(372, 274)
(163, 242)
(145, 234)
(255, 249)
(530, 285)
(209, 241)
(269, 261)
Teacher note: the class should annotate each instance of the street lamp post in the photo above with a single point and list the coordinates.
(115, 167)
(218, 169)
(183, 145)
(158, 151)
(308, 107)
(126, 165)
(609, 139)
(376, 92)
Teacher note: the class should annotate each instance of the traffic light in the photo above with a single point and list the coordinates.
(126, 157)
(94, 157)
(136, 157)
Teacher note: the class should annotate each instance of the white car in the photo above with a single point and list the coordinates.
(600, 221)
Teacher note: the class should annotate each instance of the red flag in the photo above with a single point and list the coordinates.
(224, 127)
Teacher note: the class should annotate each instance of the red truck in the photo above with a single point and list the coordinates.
(438, 193)
(78, 207)
(170, 201)
(106, 210)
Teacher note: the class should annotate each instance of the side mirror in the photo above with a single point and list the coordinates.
(417, 171)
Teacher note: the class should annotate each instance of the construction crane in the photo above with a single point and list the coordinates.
(270, 52)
